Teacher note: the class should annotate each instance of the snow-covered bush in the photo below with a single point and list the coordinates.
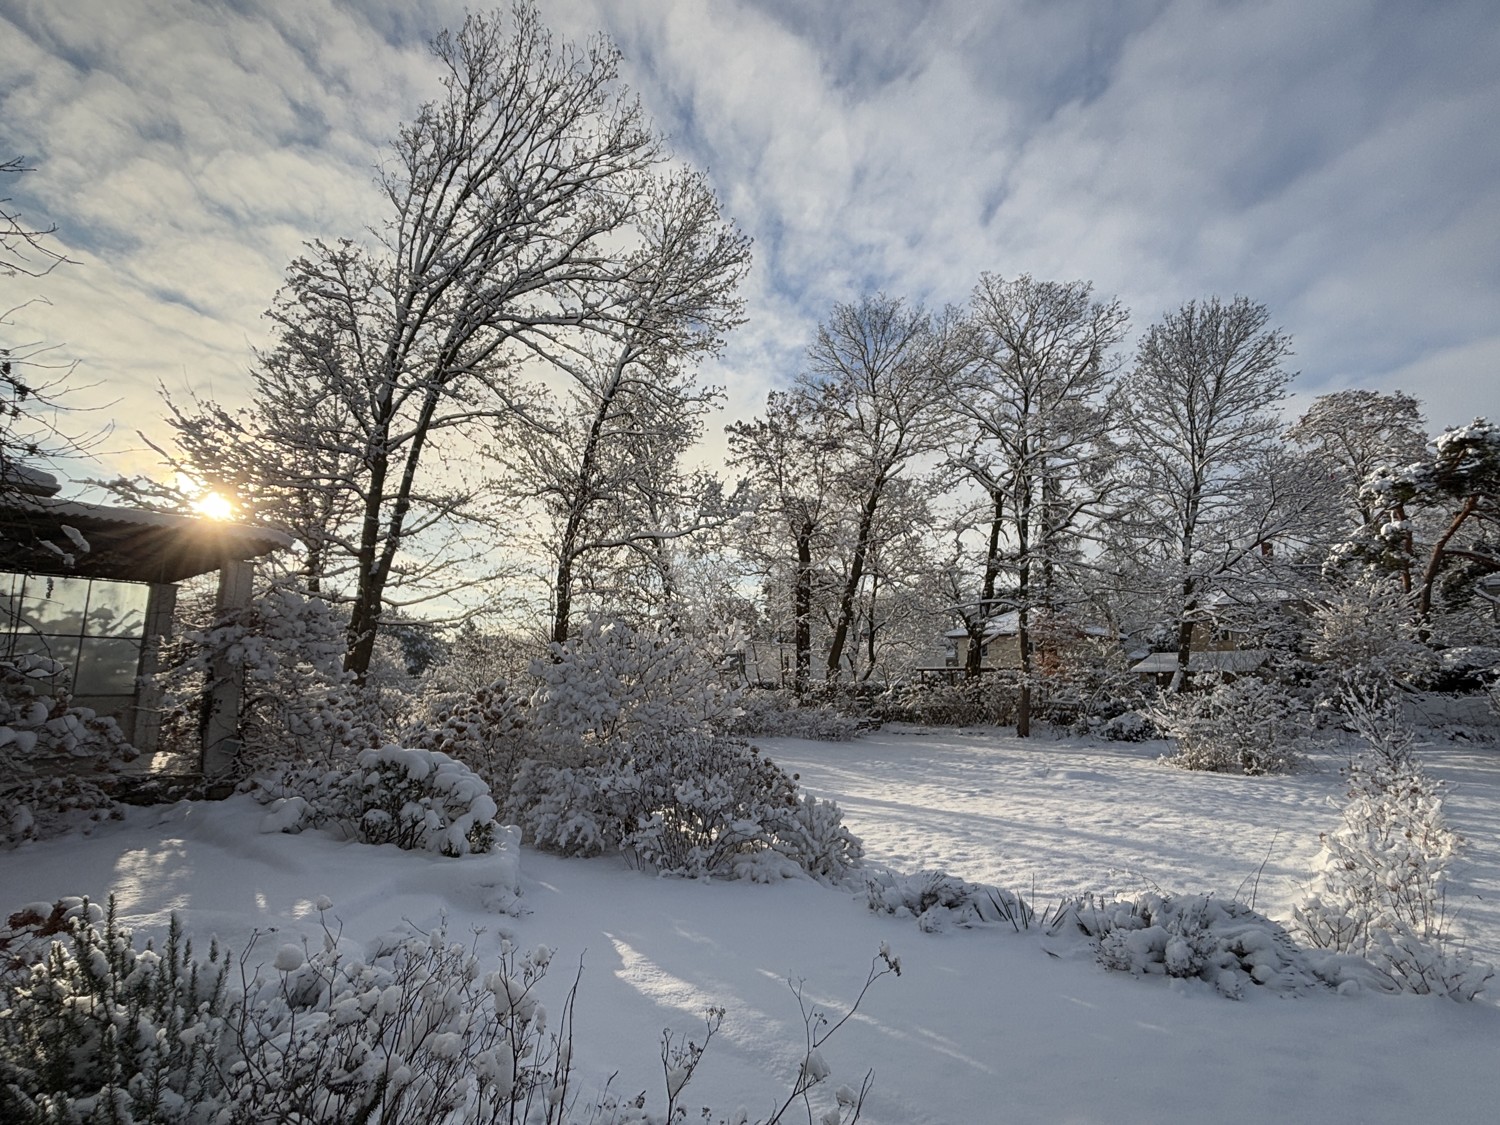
(419, 800)
(779, 714)
(1224, 943)
(299, 705)
(1128, 726)
(1244, 725)
(1380, 891)
(685, 804)
(486, 729)
(938, 900)
(418, 1030)
(98, 1030)
(614, 682)
(52, 755)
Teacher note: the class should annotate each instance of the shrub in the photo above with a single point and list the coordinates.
(416, 799)
(414, 1033)
(938, 900)
(299, 705)
(683, 804)
(53, 755)
(485, 729)
(779, 714)
(1380, 891)
(1224, 943)
(984, 701)
(98, 1030)
(1245, 725)
(613, 682)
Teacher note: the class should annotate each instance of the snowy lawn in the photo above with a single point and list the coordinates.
(982, 1025)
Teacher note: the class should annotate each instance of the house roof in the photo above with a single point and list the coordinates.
(1234, 661)
(40, 535)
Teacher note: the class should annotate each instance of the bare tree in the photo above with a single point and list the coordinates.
(522, 208)
(605, 460)
(790, 457)
(33, 380)
(882, 366)
(1210, 494)
(1349, 434)
(1033, 436)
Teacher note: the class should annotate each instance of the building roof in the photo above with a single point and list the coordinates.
(1008, 624)
(1233, 661)
(41, 535)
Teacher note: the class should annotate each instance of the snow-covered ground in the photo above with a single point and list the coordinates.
(982, 1025)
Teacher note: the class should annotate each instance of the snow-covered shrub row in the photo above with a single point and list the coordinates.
(413, 1032)
(40, 807)
(987, 701)
(938, 900)
(778, 714)
(612, 681)
(686, 803)
(1380, 891)
(1222, 942)
(1245, 725)
(419, 800)
(1127, 726)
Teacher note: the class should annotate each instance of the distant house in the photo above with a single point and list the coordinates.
(87, 594)
(1213, 649)
(1000, 644)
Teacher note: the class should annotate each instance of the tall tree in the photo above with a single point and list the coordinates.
(1034, 428)
(1210, 493)
(33, 381)
(1351, 433)
(605, 460)
(524, 224)
(882, 366)
(790, 457)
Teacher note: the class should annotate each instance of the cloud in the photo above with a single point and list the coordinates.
(1330, 160)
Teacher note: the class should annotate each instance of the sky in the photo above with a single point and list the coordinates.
(1335, 161)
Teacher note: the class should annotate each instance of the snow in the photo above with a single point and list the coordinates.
(981, 1025)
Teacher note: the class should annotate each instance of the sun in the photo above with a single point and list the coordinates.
(214, 506)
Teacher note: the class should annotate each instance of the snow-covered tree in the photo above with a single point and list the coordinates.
(33, 380)
(604, 459)
(1457, 486)
(881, 366)
(790, 457)
(1209, 488)
(1352, 433)
(1033, 436)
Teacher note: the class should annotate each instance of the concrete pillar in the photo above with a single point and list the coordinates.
(145, 725)
(226, 681)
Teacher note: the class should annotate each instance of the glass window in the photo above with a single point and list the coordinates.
(55, 605)
(107, 666)
(116, 609)
(29, 648)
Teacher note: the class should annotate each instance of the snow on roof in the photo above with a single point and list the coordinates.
(122, 543)
(1232, 660)
(1009, 624)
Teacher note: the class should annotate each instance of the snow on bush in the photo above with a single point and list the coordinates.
(299, 705)
(419, 800)
(486, 729)
(686, 803)
(1380, 891)
(938, 900)
(612, 681)
(1244, 725)
(418, 1030)
(1222, 942)
(985, 701)
(52, 755)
